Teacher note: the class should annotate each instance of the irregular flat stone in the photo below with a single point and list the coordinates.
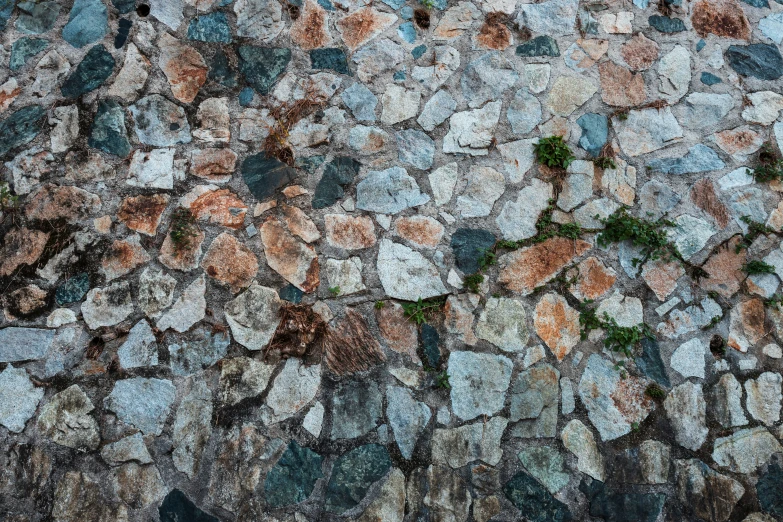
(720, 17)
(484, 186)
(353, 474)
(87, 23)
(568, 93)
(159, 122)
(130, 448)
(262, 66)
(399, 104)
(471, 132)
(534, 402)
(188, 309)
(478, 383)
(524, 112)
(690, 234)
(407, 417)
(469, 245)
(504, 323)
(176, 506)
(744, 451)
(18, 397)
(21, 127)
(192, 356)
(363, 25)
(457, 447)
(579, 440)
(546, 465)
(725, 402)
(486, 79)
(437, 110)
(260, 19)
(415, 148)
(192, 428)
(764, 396)
(293, 477)
(523, 270)
(212, 28)
(230, 262)
(533, 500)
(294, 387)
(65, 420)
(264, 176)
(143, 403)
(555, 17)
(388, 191)
(243, 378)
(707, 493)
(96, 66)
(140, 348)
(647, 130)
(699, 158)
(762, 61)
(406, 274)
(360, 100)
(539, 46)
(295, 261)
(557, 324)
(686, 409)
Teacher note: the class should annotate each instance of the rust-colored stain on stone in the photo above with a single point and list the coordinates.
(631, 401)
(661, 276)
(310, 30)
(594, 279)
(720, 17)
(398, 331)
(350, 233)
(22, 246)
(143, 213)
(123, 256)
(724, 270)
(747, 324)
(557, 324)
(230, 262)
(221, 207)
(69, 203)
(493, 33)
(299, 224)
(183, 66)
(640, 52)
(361, 26)
(420, 230)
(26, 300)
(704, 196)
(216, 165)
(458, 317)
(525, 269)
(182, 257)
(620, 87)
(742, 140)
(296, 262)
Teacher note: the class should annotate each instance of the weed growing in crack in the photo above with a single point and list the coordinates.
(604, 162)
(334, 290)
(755, 229)
(553, 151)
(442, 381)
(618, 338)
(649, 235)
(770, 166)
(417, 311)
(473, 281)
(655, 391)
(8, 201)
(758, 267)
(183, 229)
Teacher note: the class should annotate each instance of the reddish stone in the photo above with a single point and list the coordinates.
(398, 331)
(123, 256)
(26, 300)
(299, 224)
(230, 262)
(594, 279)
(630, 399)
(703, 196)
(557, 324)
(620, 87)
(494, 34)
(724, 270)
(51, 203)
(363, 25)
(350, 233)
(216, 165)
(661, 276)
(183, 66)
(640, 52)
(143, 213)
(8, 93)
(219, 206)
(746, 326)
(22, 246)
(742, 141)
(458, 317)
(311, 30)
(527, 268)
(721, 18)
(183, 256)
(422, 231)
(296, 262)
(293, 191)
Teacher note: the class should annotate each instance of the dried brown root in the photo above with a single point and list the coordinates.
(285, 117)
(300, 333)
(351, 347)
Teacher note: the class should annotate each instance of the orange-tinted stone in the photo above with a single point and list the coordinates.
(350, 233)
(703, 196)
(183, 256)
(143, 213)
(422, 231)
(661, 276)
(527, 268)
(458, 317)
(721, 18)
(311, 30)
(746, 326)
(51, 203)
(557, 324)
(230, 262)
(296, 262)
(22, 246)
(216, 165)
(26, 300)
(299, 224)
(742, 140)
(724, 270)
(183, 66)
(594, 279)
(398, 331)
(640, 52)
(620, 87)
(220, 206)
(363, 25)
(123, 256)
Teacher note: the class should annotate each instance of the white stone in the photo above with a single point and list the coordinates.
(153, 169)
(132, 77)
(517, 220)
(253, 316)
(294, 388)
(504, 323)
(188, 309)
(406, 274)
(688, 358)
(579, 440)
(18, 398)
(442, 182)
(345, 275)
(471, 132)
(484, 186)
(764, 107)
(399, 104)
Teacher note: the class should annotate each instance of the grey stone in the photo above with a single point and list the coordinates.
(504, 323)
(762, 61)
(524, 112)
(484, 186)
(107, 306)
(192, 428)
(259, 19)
(726, 402)
(353, 474)
(406, 274)
(156, 291)
(654, 461)
(399, 104)
(253, 316)
(471, 132)
(415, 148)
(486, 79)
(345, 274)
(188, 309)
(192, 356)
(547, 465)
(555, 17)
(130, 448)
(699, 158)
(361, 101)
(534, 402)
(771, 26)
(457, 447)
(376, 58)
(595, 131)
(656, 199)
(674, 70)
(242, 378)
(687, 410)
(66, 420)
(389, 191)
(293, 477)
(448, 497)
(764, 396)
(357, 407)
(407, 417)
(703, 109)
(479, 382)
(437, 110)
(744, 451)
(627, 311)
(535, 503)
(159, 122)
(442, 183)
(602, 208)
(706, 493)
(143, 403)
(690, 234)
(688, 358)
(294, 387)
(647, 130)
(18, 398)
(577, 186)
(140, 348)
(87, 23)
(579, 440)
(24, 344)
(389, 505)
(518, 158)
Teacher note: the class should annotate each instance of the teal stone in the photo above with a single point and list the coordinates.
(177, 507)
(212, 28)
(88, 22)
(619, 507)
(291, 294)
(21, 127)
(353, 474)
(292, 479)
(665, 24)
(90, 74)
(534, 501)
(595, 132)
(769, 489)
(220, 71)
(326, 4)
(124, 6)
(429, 345)
(333, 59)
(108, 131)
(262, 66)
(539, 46)
(762, 61)
(264, 175)
(407, 32)
(469, 245)
(6, 8)
(761, 4)
(338, 173)
(419, 51)
(24, 49)
(700, 45)
(649, 362)
(310, 163)
(399, 76)
(710, 79)
(394, 4)
(37, 17)
(246, 96)
(73, 290)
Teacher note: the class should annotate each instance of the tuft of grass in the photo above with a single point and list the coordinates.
(553, 151)
(379, 305)
(473, 282)
(618, 338)
(649, 235)
(8, 201)
(769, 167)
(183, 228)
(442, 381)
(429, 4)
(334, 290)
(417, 311)
(713, 322)
(758, 267)
(655, 392)
(755, 229)
(604, 162)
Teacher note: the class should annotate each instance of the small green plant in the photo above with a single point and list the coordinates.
(713, 322)
(416, 310)
(379, 305)
(618, 338)
(604, 162)
(7, 200)
(442, 380)
(183, 228)
(429, 4)
(488, 258)
(334, 290)
(553, 152)
(770, 166)
(547, 228)
(755, 229)
(649, 235)
(473, 282)
(622, 115)
(655, 392)
(635, 426)
(758, 267)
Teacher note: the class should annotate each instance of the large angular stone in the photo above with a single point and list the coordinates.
(18, 398)
(407, 417)
(534, 402)
(353, 474)
(557, 324)
(406, 274)
(159, 122)
(525, 269)
(66, 420)
(478, 383)
(686, 409)
(504, 323)
(295, 261)
(143, 403)
(457, 447)
(744, 451)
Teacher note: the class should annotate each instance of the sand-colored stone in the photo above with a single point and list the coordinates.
(350, 233)
(557, 324)
(229, 261)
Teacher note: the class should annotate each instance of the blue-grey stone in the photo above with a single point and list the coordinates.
(326, 4)
(361, 101)
(159, 122)
(406, 13)
(92, 71)
(539, 46)
(123, 30)
(6, 8)
(641, 4)
(177, 507)
(429, 345)
(769, 488)
(389, 191)
(534, 501)
(108, 131)
(407, 417)
(415, 148)
(699, 158)
(143, 403)
(709, 79)
(469, 245)
(291, 294)
(399, 76)
(700, 45)
(262, 66)
(650, 362)
(212, 27)
(762, 61)
(88, 21)
(24, 49)
(124, 6)
(330, 58)
(292, 479)
(665, 24)
(524, 112)
(246, 96)
(595, 131)
(264, 175)
(357, 407)
(419, 51)
(586, 21)
(757, 3)
(622, 507)
(21, 127)
(310, 164)
(407, 32)
(24, 344)
(73, 289)
(394, 4)
(191, 356)
(353, 474)
(338, 173)
(220, 71)
(486, 78)
(36, 17)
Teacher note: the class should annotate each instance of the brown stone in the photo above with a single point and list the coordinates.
(525, 269)
(220, 206)
(185, 255)
(594, 279)
(640, 52)
(78, 498)
(620, 87)
(459, 318)
(123, 256)
(8, 93)
(229, 261)
(26, 300)
(299, 224)
(350, 233)
(143, 213)
(52, 202)
(138, 486)
(703, 196)
(214, 121)
(724, 270)
(721, 18)
(422, 231)
(746, 326)
(557, 324)
(661, 276)
(293, 191)
(493, 33)
(398, 331)
(183, 66)
(22, 246)
(296, 262)
(311, 30)
(216, 165)
(741, 141)
(775, 220)
(363, 25)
